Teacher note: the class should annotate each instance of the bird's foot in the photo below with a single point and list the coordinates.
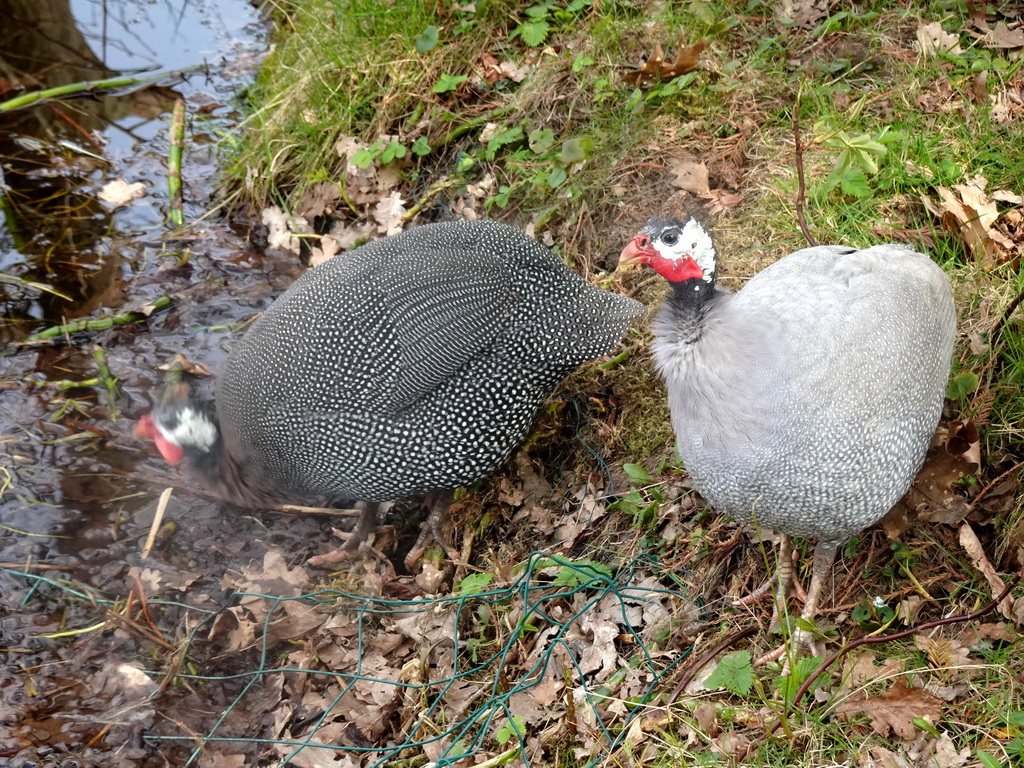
(354, 539)
(800, 640)
(431, 532)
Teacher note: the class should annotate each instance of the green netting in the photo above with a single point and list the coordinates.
(561, 610)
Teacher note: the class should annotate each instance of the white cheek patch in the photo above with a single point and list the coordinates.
(193, 429)
(697, 242)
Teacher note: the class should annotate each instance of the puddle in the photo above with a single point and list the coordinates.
(76, 505)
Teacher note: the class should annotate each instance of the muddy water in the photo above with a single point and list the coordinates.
(76, 502)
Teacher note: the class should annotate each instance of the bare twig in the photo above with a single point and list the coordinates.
(801, 187)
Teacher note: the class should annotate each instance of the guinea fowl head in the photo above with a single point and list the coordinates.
(180, 427)
(679, 250)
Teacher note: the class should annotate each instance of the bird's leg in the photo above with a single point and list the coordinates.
(784, 567)
(369, 515)
(439, 502)
(824, 557)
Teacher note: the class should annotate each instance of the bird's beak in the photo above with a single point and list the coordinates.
(637, 251)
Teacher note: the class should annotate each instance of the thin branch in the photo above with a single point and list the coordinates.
(684, 681)
(801, 186)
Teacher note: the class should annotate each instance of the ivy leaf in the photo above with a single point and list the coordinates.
(734, 672)
(427, 39)
(448, 82)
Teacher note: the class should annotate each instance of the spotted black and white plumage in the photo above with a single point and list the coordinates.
(805, 401)
(413, 363)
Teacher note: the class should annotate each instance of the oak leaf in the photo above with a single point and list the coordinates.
(895, 710)
(656, 69)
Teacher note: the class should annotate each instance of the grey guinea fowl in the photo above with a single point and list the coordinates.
(805, 401)
(416, 363)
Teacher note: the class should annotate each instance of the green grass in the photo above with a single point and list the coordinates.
(579, 154)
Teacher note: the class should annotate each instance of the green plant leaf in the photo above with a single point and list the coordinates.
(516, 726)
(393, 151)
(580, 62)
(987, 760)
(576, 150)
(542, 140)
(446, 83)
(557, 177)
(962, 385)
(502, 138)
(735, 672)
(474, 583)
(420, 147)
(363, 158)
(533, 33)
(427, 39)
(636, 473)
(855, 183)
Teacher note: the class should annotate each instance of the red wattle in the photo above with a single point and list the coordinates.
(677, 270)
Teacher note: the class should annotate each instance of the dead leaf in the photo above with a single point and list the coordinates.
(895, 710)
(721, 201)
(931, 40)
(969, 541)
(389, 214)
(690, 175)
(942, 652)
(182, 362)
(283, 230)
(955, 453)
(968, 211)
(1001, 36)
(656, 69)
(120, 192)
(802, 14)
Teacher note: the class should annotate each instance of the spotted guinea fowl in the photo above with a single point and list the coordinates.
(413, 364)
(805, 402)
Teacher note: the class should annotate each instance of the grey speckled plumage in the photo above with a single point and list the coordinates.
(809, 397)
(413, 363)
(806, 401)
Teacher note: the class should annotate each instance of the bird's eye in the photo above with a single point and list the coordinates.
(670, 238)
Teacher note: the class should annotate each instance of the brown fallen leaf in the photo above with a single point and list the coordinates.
(656, 69)
(955, 453)
(180, 361)
(895, 710)
(690, 175)
(802, 14)
(932, 40)
(1001, 36)
(970, 212)
(120, 192)
(969, 541)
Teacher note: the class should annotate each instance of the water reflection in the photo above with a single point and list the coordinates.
(56, 156)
